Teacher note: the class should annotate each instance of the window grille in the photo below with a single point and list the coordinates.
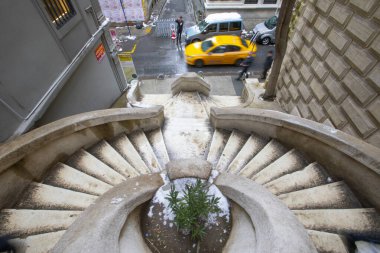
(60, 11)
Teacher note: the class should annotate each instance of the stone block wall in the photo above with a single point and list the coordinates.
(331, 71)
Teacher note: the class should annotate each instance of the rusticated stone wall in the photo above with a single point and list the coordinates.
(331, 71)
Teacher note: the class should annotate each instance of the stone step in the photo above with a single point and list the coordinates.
(218, 142)
(311, 176)
(41, 243)
(64, 176)
(87, 163)
(186, 138)
(288, 163)
(156, 140)
(108, 155)
(26, 222)
(234, 144)
(329, 196)
(270, 153)
(42, 196)
(124, 146)
(253, 145)
(186, 105)
(143, 147)
(363, 223)
(328, 242)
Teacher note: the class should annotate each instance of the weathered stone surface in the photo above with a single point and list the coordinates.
(319, 69)
(310, 14)
(324, 5)
(307, 54)
(358, 88)
(375, 46)
(374, 78)
(374, 110)
(98, 228)
(318, 90)
(308, 34)
(362, 30)
(335, 89)
(295, 76)
(359, 59)
(337, 65)
(320, 47)
(340, 14)
(296, 58)
(357, 116)
(190, 82)
(293, 92)
(305, 72)
(335, 114)
(304, 110)
(195, 167)
(322, 25)
(338, 40)
(317, 111)
(366, 7)
(297, 40)
(272, 235)
(305, 92)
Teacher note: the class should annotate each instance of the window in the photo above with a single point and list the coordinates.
(232, 48)
(219, 50)
(270, 1)
(211, 28)
(223, 27)
(59, 11)
(206, 45)
(250, 1)
(235, 26)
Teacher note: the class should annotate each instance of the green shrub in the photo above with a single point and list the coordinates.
(192, 210)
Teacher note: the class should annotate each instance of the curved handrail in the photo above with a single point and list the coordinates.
(345, 156)
(13, 151)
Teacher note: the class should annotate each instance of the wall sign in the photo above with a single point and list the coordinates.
(100, 52)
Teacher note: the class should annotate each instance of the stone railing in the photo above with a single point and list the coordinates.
(190, 82)
(344, 156)
(27, 157)
(99, 227)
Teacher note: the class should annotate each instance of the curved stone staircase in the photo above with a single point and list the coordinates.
(325, 205)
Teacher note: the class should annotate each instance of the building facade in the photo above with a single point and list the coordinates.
(331, 71)
(55, 63)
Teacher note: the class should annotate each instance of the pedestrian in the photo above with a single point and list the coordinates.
(179, 22)
(267, 64)
(246, 64)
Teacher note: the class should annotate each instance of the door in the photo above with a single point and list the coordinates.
(216, 55)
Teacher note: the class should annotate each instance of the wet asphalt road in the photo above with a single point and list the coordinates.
(155, 55)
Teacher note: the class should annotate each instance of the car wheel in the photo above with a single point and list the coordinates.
(199, 63)
(265, 41)
(238, 62)
(195, 40)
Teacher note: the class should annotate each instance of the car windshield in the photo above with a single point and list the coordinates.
(271, 23)
(202, 25)
(206, 45)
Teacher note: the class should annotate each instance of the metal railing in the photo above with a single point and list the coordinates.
(164, 27)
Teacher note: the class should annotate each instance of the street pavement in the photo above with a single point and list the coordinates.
(154, 56)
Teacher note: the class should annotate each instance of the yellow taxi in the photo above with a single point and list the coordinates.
(222, 49)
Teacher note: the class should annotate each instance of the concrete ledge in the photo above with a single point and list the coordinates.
(344, 156)
(194, 167)
(98, 228)
(277, 229)
(190, 82)
(248, 95)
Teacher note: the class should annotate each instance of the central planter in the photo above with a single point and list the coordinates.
(163, 234)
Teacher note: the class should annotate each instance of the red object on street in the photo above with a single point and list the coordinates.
(173, 35)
